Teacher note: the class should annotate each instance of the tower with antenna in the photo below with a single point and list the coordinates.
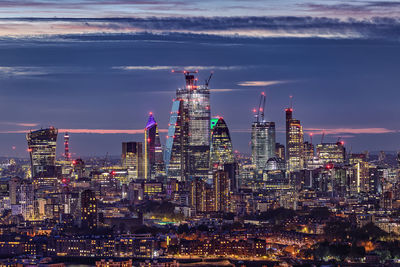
(262, 138)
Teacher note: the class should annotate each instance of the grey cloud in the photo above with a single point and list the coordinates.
(374, 28)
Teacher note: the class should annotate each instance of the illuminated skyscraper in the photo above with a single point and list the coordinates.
(221, 144)
(222, 156)
(42, 151)
(153, 157)
(262, 143)
(132, 158)
(196, 126)
(294, 142)
(175, 157)
(262, 139)
(67, 155)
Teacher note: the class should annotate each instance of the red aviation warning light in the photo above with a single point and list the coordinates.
(329, 166)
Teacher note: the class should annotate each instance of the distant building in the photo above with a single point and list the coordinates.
(42, 151)
(88, 209)
(132, 158)
(280, 151)
(331, 153)
(308, 152)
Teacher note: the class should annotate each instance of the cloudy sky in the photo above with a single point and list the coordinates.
(97, 68)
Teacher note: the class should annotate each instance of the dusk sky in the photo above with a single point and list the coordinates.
(97, 68)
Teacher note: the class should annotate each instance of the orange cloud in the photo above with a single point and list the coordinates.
(350, 131)
(260, 83)
(94, 131)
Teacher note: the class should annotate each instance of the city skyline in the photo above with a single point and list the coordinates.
(106, 78)
(199, 133)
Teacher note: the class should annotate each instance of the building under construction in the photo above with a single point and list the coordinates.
(262, 138)
(190, 135)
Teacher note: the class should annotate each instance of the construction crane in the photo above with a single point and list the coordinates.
(208, 80)
(261, 108)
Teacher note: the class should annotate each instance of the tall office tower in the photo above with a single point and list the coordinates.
(280, 151)
(221, 144)
(222, 190)
(331, 153)
(175, 156)
(196, 126)
(42, 150)
(88, 209)
(262, 138)
(67, 155)
(153, 155)
(294, 143)
(132, 158)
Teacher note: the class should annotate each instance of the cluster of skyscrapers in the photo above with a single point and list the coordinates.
(198, 154)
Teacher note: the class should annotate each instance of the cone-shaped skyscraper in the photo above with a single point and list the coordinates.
(221, 144)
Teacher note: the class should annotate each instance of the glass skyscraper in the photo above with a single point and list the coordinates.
(196, 126)
(175, 157)
(262, 143)
(42, 151)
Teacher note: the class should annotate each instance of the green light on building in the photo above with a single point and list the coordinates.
(213, 122)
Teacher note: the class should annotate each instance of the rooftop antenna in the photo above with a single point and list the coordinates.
(291, 101)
